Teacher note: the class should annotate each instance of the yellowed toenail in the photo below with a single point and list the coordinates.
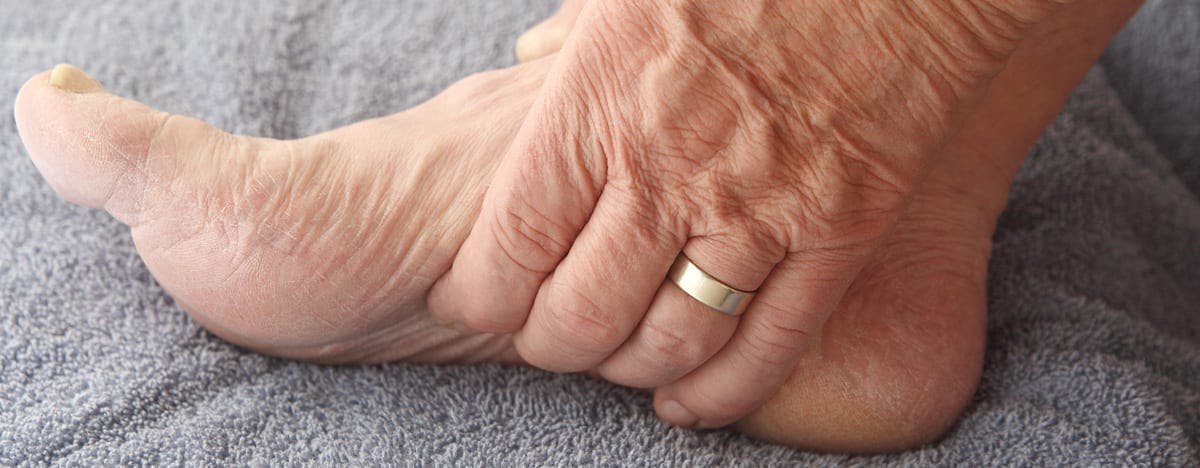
(68, 77)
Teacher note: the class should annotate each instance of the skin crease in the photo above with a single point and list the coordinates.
(775, 144)
(901, 357)
(320, 248)
(893, 367)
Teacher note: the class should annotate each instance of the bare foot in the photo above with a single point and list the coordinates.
(323, 248)
(901, 358)
(320, 248)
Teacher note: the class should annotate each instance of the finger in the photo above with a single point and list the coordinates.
(548, 36)
(541, 197)
(789, 309)
(679, 332)
(597, 295)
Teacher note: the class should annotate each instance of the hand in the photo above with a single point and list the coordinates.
(774, 144)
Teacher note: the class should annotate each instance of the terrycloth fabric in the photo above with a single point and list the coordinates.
(1094, 335)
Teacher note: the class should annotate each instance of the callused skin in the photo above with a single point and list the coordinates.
(891, 369)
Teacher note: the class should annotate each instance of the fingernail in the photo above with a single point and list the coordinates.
(702, 425)
(675, 414)
(68, 77)
(447, 324)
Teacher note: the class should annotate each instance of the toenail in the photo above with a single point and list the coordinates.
(675, 414)
(68, 77)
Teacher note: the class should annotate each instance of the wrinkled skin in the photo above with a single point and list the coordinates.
(900, 356)
(775, 144)
(323, 248)
(320, 248)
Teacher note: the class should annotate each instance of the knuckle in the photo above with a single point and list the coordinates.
(539, 357)
(844, 220)
(749, 243)
(488, 321)
(876, 178)
(527, 237)
(773, 345)
(458, 310)
(718, 409)
(849, 188)
(644, 221)
(670, 351)
(580, 323)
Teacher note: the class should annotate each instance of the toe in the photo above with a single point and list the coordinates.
(99, 150)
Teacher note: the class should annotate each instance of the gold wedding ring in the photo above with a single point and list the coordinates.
(706, 289)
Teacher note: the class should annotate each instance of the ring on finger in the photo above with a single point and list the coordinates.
(709, 291)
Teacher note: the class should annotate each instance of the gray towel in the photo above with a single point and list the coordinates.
(1094, 333)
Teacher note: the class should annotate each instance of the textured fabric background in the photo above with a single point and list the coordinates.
(1094, 352)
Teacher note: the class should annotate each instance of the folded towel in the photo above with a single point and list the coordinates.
(1094, 333)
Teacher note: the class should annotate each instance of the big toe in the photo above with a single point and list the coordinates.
(97, 149)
